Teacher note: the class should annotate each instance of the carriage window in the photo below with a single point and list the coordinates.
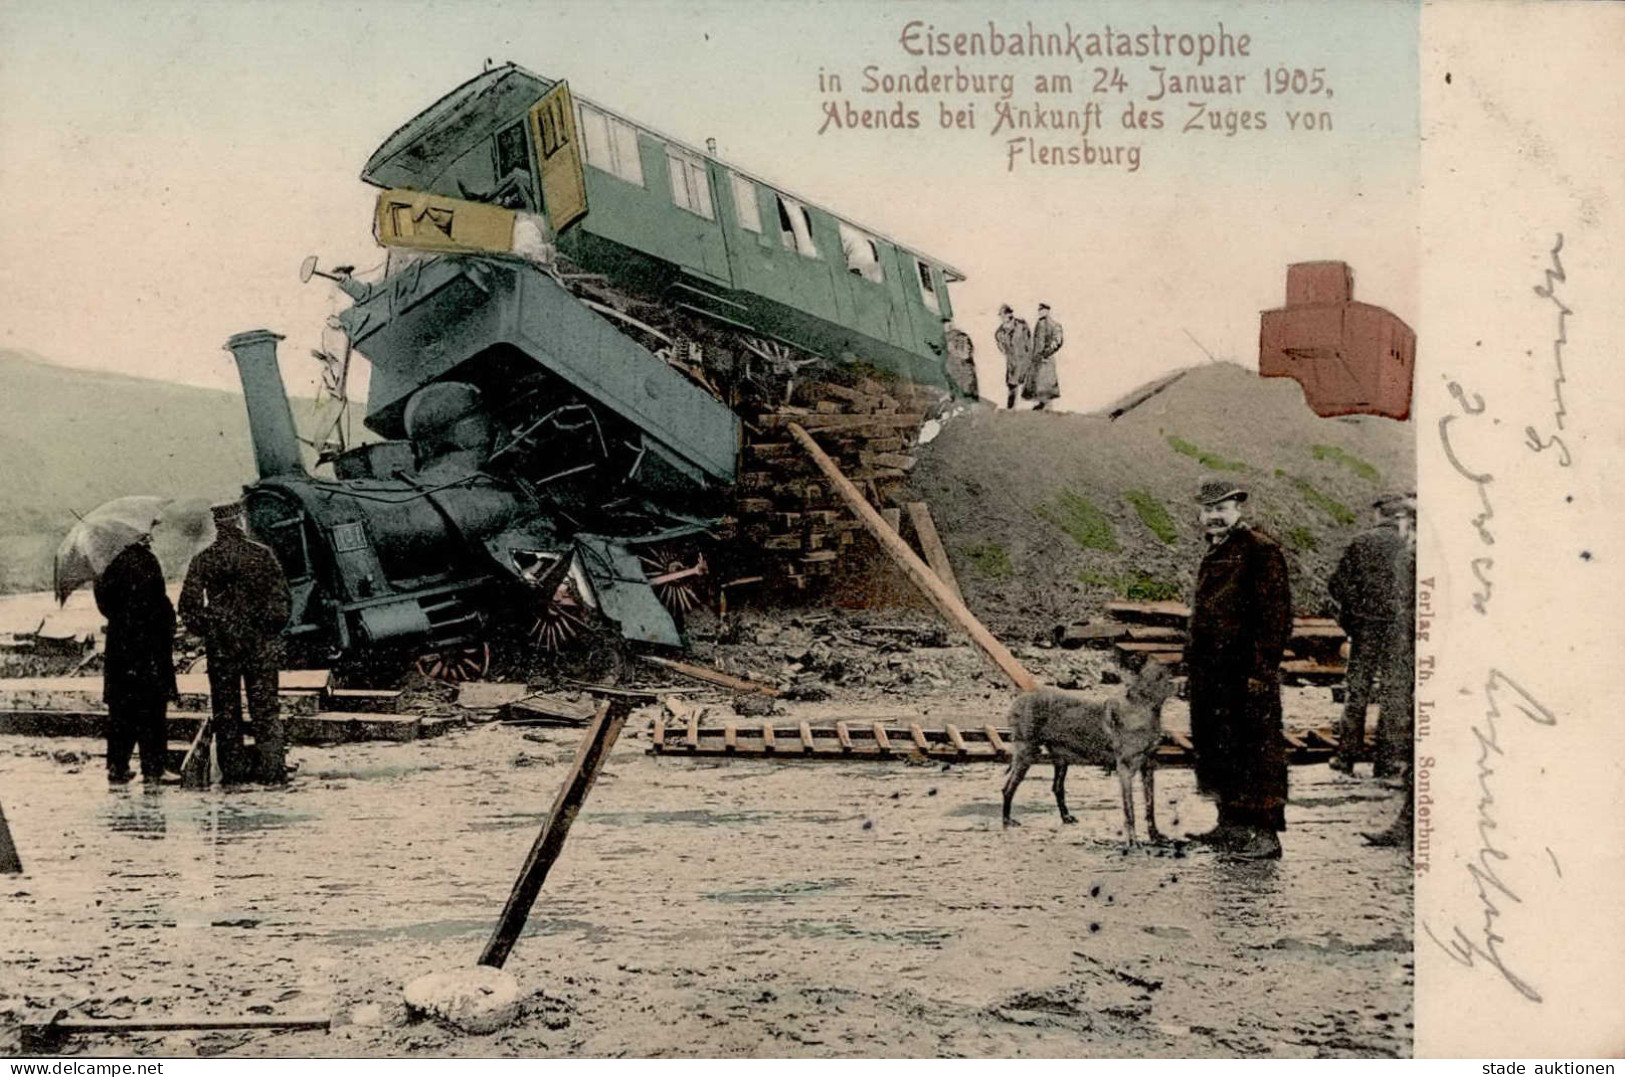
(554, 132)
(862, 255)
(511, 156)
(612, 145)
(795, 227)
(690, 187)
(750, 214)
(928, 290)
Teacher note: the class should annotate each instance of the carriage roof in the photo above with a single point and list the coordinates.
(423, 147)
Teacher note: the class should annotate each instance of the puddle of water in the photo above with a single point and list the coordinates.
(510, 821)
(1336, 944)
(784, 892)
(932, 937)
(1337, 801)
(238, 820)
(372, 773)
(984, 810)
(437, 930)
(1166, 932)
(686, 817)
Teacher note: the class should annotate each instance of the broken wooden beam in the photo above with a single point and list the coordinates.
(595, 747)
(1075, 635)
(711, 676)
(1171, 614)
(936, 555)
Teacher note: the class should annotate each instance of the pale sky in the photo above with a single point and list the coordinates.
(164, 167)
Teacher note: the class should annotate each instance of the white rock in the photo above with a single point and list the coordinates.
(370, 1014)
(476, 1000)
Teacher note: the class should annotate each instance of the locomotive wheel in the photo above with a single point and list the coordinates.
(677, 574)
(560, 621)
(456, 664)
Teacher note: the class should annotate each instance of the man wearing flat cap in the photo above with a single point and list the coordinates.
(1015, 341)
(1241, 621)
(1374, 587)
(1042, 385)
(236, 597)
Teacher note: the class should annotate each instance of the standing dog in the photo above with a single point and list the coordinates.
(1116, 734)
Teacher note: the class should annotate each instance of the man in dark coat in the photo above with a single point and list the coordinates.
(237, 599)
(138, 675)
(1374, 587)
(1015, 341)
(1241, 621)
(1042, 383)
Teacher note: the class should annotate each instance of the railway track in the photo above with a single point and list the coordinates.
(878, 741)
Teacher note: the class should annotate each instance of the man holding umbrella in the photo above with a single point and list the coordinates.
(111, 547)
(237, 599)
(138, 677)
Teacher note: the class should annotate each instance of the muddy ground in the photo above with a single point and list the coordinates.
(706, 907)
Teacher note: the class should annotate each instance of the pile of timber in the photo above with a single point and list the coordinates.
(1157, 631)
(787, 508)
(314, 710)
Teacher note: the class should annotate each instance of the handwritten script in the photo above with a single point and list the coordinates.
(1548, 290)
(1481, 566)
(1491, 866)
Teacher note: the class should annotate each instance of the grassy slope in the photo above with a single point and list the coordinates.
(1015, 481)
(71, 439)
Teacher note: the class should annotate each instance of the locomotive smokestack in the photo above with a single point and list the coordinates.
(270, 418)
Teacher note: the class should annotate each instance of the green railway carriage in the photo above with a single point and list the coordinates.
(659, 217)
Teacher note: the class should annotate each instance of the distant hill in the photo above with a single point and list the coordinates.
(1048, 516)
(71, 439)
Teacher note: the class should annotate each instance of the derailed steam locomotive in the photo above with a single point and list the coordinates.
(574, 315)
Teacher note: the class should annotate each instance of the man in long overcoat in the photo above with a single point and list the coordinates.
(236, 597)
(959, 358)
(138, 675)
(1015, 341)
(1042, 384)
(1374, 587)
(1241, 621)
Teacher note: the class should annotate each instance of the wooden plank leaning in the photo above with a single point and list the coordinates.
(919, 514)
(916, 570)
(595, 748)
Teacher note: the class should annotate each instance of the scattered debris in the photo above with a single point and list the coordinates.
(538, 709)
(489, 695)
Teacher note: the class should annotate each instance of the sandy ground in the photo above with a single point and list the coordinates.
(701, 907)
